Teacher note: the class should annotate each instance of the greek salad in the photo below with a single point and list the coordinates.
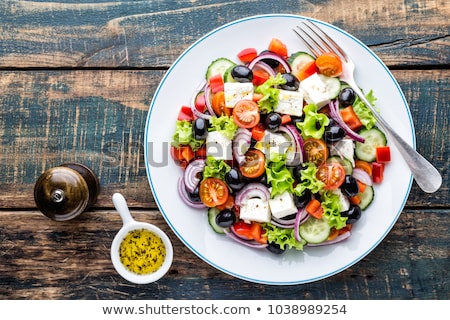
(278, 151)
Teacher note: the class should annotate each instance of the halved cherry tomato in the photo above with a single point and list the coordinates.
(213, 192)
(314, 208)
(308, 70)
(316, 151)
(329, 64)
(350, 118)
(332, 173)
(250, 231)
(246, 113)
(254, 164)
(218, 104)
(383, 154)
(216, 83)
(248, 54)
(259, 77)
(278, 47)
(229, 204)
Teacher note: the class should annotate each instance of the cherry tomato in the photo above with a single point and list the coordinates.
(218, 104)
(332, 173)
(246, 113)
(329, 64)
(248, 54)
(213, 192)
(254, 164)
(278, 47)
(316, 151)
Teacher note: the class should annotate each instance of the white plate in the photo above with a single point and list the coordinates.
(191, 226)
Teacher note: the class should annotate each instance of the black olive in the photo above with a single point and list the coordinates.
(333, 133)
(234, 179)
(346, 97)
(353, 214)
(242, 73)
(194, 196)
(292, 82)
(225, 218)
(271, 62)
(200, 128)
(350, 186)
(302, 200)
(273, 121)
(275, 248)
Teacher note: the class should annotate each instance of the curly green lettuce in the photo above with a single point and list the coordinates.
(184, 136)
(270, 94)
(309, 180)
(363, 112)
(332, 210)
(224, 124)
(283, 237)
(313, 126)
(215, 168)
(278, 175)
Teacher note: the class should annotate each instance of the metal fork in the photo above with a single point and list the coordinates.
(427, 177)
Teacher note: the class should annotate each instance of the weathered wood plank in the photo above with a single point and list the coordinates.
(98, 118)
(153, 33)
(71, 260)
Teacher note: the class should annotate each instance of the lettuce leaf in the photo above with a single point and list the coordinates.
(332, 210)
(278, 175)
(313, 126)
(270, 94)
(215, 168)
(184, 136)
(283, 237)
(224, 125)
(363, 112)
(309, 180)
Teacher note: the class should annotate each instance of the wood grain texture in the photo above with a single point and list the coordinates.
(98, 118)
(144, 34)
(71, 261)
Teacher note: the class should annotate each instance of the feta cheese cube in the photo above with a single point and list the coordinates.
(315, 91)
(282, 205)
(274, 143)
(290, 102)
(344, 148)
(236, 91)
(255, 210)
(218, 146)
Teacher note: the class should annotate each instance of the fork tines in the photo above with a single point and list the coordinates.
(317, 40)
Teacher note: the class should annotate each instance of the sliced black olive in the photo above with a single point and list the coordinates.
(194, 196)
(242, 73)
(353, 214)
(292, 83)
(350, 186)
(346, 97)
(225, 218)
(273, 121)
(234, 179)
(333, 133)
(275, 248)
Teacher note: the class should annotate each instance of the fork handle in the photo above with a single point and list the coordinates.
(426, 175)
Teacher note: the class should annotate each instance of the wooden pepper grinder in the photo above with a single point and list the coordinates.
(64, 192)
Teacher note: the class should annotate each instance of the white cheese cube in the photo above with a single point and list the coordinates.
(274, 143)
(282, 205)
(315, 91)
(255, 210)
(344, 148)
(290, 102)
(236, 91)
(218, 146)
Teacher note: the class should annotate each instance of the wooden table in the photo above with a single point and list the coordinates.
(76, 81)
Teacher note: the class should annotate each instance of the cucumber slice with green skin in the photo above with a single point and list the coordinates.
(314, 230)
(373, 138)
(219, 66)
(298, 60)
(333, 85)
(227, 77)
(344, 162)
(212, 214)
(366, 197)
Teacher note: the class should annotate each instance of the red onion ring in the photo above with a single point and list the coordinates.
(192, 173)
(363, 176)
(297, 142)
(252, 190)
(195, 111)
(270, 55)
(263, 66)
(185, 197)
(241, 143)
(335, 114)
(300, 218)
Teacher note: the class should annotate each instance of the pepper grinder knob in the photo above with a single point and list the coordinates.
(64, 192)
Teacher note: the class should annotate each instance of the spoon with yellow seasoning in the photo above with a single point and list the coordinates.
(140, 252)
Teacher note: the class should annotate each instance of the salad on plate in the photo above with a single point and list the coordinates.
(277, 150)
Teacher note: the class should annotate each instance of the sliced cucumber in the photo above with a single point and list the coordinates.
(212, 214)
(227, 77)
(344, 162)
(373, 138)
(366, 197)
(220, 65)
(315, 230)
(333, 85)
(298, 60)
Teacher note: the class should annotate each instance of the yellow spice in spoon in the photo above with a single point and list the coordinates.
(142, 251)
